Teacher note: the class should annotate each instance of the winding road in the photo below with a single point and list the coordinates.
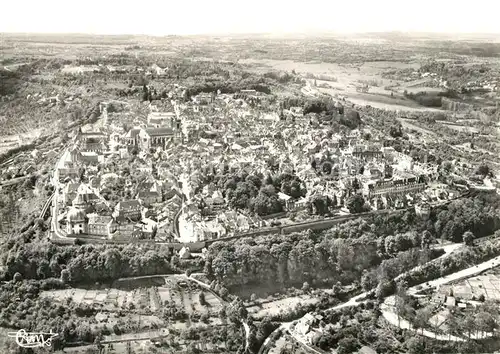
(387, 307)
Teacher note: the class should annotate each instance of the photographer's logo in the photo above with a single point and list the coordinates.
(32, 339)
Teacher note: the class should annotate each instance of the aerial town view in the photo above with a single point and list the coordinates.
(250, 194)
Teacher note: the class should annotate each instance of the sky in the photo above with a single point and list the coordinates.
(184, 17)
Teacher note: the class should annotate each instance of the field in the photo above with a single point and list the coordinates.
(346, 79)
(286, 344)
(487, 285)
(151, 293)
(147, 346)
(146, 300)
(27, 136)
(273, 308)
(462, 128)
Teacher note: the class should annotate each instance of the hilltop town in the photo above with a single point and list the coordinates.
(160, 204)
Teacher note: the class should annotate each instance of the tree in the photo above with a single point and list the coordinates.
(337, 288)
(347, 345)
(401, 306)
(65, 276)
(368, 281)
(426, 240)
(396, 131)
(483, 170)
(98, 343)
(468, 323)
(485, 322)
(356, 185)
(202, 299)
(422, 317)
(356, 204)
(415, 346)
(17, 277)
(468, 238)
(452, 323)
(306, 287)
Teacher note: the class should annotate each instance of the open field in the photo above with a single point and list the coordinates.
(152, 293)
(273, 308)
(487, 285)
(407, 123)
(346, 80)
(26, 136)
(462, 128)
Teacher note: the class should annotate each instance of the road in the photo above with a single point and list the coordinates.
(388, 308)
(57, 235)
(46, 206)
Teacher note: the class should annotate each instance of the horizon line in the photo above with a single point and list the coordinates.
(312, 32)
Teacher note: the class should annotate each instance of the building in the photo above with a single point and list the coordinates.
(423, 210)
(163, 119)
(92, 141)
(366, 350)
(203, 98)
(149, 196)
(402, 185)
(367, 152)
(287, 200)
(155, 137)
(131, 138)
(76, 219)
(127, 210)
(69, 164)
(159, 71)
(99, 225)
(69, 192)
(184, 253)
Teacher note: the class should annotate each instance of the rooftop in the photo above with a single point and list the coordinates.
(159, 131)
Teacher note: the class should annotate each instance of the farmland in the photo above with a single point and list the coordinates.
(151, 293)
(282, 306)
(471, 289)
(150, 303)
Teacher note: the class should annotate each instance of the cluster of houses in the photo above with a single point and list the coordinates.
(241, 132)
(83, 178)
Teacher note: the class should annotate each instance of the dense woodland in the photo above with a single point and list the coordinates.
(346, 251)
(254, 192)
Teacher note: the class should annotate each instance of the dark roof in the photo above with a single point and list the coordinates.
(128, 205)
(159, 131)
(132, 133)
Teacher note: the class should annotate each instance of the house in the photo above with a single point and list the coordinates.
(131, 138)
(288, 200)
(127, 232)
(76, 222)
(148, 197)
(92, 141)
(185, 253)
(127, 210)
(203, 98)
(101, 225)
(451, 301)
(159, 71)
(215, 203)
(87, 194)
(163, 119)
(69, 192)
